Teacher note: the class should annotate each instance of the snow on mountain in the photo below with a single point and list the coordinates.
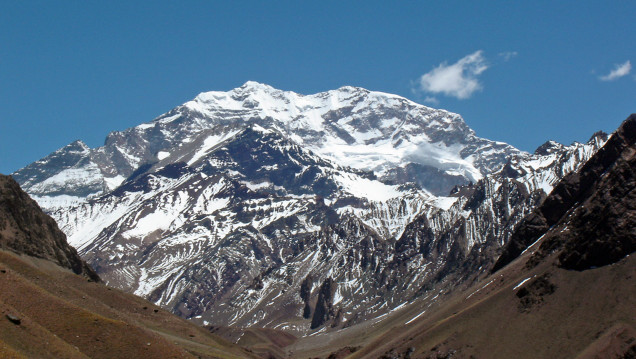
(238, 210)
(68, 171)
(397, 139)
(474, 229)
(367, 130)
(551, 162)
(263, 207)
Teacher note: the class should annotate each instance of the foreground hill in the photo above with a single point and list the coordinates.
(48, 311)
(25, 229)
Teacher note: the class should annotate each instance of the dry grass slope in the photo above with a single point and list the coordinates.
(63, 315)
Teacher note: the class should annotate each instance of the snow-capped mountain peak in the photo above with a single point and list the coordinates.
(355, 127)
(397, 139)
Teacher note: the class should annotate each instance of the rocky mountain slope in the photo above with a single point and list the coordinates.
(25, 229)
(564, 288)
(590, 216)
(259, 207)
(50, 312)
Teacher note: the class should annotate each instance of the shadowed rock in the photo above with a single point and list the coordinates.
(25, 229)
(592, 212)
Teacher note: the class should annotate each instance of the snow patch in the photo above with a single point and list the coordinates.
(51, 202)
(417, 316)
(522, 282)
(444, 203)
(366, 188)
(113, 182)
(209, 143)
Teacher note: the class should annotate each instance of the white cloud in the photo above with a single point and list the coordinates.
(508, 55)
(431, 100)
(457, 80)
(620, 70)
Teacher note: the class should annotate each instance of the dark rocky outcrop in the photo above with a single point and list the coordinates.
(25, 229)
(590, 216)
(532, 295)
(324, 307)
(13, 319)
(305, 293)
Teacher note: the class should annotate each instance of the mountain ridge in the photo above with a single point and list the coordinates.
(572, 190)
(353, 126)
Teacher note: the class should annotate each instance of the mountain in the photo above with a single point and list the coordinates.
(53, 305)
(563, 287)
(470, 235)
(371, 131)
(196, 238)
(259, 207)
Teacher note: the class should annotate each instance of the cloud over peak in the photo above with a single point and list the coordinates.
(619, 70)
(458, 80)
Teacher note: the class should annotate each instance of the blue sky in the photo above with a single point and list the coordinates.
(521, 72)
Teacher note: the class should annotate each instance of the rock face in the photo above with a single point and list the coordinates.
(324, 306)
(25, 229)
(532, 295)
(237, 207)
(590, 216)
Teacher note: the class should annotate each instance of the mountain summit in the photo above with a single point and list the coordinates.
(401, 141)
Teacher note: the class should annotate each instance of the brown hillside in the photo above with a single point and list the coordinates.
(63, 315)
